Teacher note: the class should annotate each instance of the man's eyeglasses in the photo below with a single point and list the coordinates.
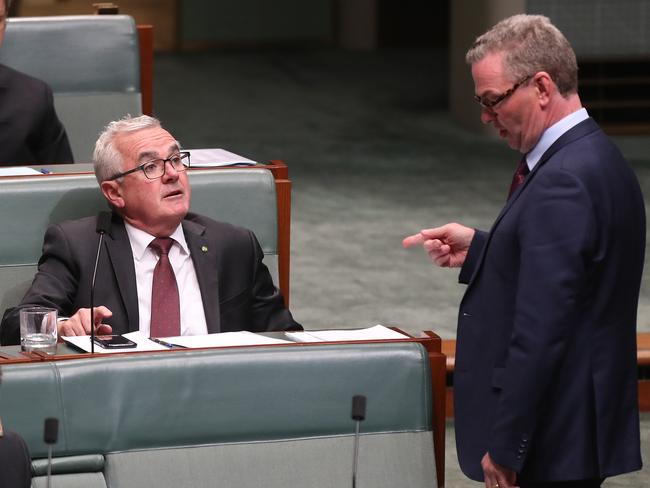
(156, 167)
(491, 103)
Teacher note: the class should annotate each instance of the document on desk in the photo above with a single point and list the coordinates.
(378, 332)
(224, 339)
(19, 171)
(214, 158)
(142, 341)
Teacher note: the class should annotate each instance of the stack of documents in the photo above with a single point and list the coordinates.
(213, 158)
(20, 171)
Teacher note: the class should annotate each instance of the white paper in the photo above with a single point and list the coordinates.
(243, 338)
(378, 332)
(143, 344)
(211, 158)
(19, 171)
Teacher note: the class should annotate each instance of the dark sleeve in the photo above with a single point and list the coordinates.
(50, 143)
(15, 462)
(54, 285)
(269, 312)
(475, 249)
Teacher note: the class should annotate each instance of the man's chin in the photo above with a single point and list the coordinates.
(513, 144)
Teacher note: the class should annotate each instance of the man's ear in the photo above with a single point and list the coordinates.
(545, 87)
(113, 193)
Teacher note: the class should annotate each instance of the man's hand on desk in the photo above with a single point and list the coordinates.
(79, 323)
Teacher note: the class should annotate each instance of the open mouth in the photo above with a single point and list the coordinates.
(175, 193)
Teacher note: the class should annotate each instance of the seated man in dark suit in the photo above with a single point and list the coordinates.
(163, 271)
(15, 462)
(30, 131)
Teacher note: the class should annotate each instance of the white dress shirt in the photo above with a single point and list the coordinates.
(145, 259)
(552, 134)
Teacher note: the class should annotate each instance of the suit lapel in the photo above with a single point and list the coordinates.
(4, 77)
(576, 132)
(204, 258)
(120, 255)
(580, 130)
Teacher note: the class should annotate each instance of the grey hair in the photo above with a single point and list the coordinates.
(531, 43)
(107, 159)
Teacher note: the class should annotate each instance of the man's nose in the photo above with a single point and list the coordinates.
(487, 115)
(170, 173)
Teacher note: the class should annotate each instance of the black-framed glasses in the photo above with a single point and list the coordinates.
(491, 103)
(155, 168)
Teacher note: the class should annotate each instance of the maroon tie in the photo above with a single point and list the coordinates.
(165, 306)
(519, 176)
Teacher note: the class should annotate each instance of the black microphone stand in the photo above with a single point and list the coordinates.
(103, 226)
(92, 296)
(358, 414)
(50, 435)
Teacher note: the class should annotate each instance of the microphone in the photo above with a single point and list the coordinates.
(358, 414)
(103, 227)
(50, 434)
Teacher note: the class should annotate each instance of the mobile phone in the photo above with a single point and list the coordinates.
(114, 342)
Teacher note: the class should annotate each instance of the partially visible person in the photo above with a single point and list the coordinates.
(163, 271)
(30, 131)
(545, 378)
(15, 461)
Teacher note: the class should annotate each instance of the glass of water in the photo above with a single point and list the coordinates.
(38, 329)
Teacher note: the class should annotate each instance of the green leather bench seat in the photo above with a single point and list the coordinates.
(244, 197)
(92, 63)
(244, 417)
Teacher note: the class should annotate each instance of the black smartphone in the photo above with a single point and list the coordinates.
(114, 342)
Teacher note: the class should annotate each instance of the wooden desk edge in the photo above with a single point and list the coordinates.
(145, 43)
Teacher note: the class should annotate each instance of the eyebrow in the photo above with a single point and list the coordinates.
(488, 92)
(148, 155)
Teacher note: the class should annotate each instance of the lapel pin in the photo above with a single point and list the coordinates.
(204, 248)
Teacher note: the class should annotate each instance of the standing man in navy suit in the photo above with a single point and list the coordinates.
(545, 381)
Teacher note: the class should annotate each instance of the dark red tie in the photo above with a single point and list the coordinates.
(165, 305)
(519, 176)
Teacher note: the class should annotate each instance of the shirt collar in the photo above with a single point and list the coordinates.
(140, 240)
(552, 134)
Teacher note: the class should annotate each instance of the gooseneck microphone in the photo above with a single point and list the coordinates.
(103, 227)
(50, 435)
(358, 414)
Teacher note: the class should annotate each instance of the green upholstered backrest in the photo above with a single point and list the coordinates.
(90, 61)
(244, 197)
(234, 404)
(148, 401)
